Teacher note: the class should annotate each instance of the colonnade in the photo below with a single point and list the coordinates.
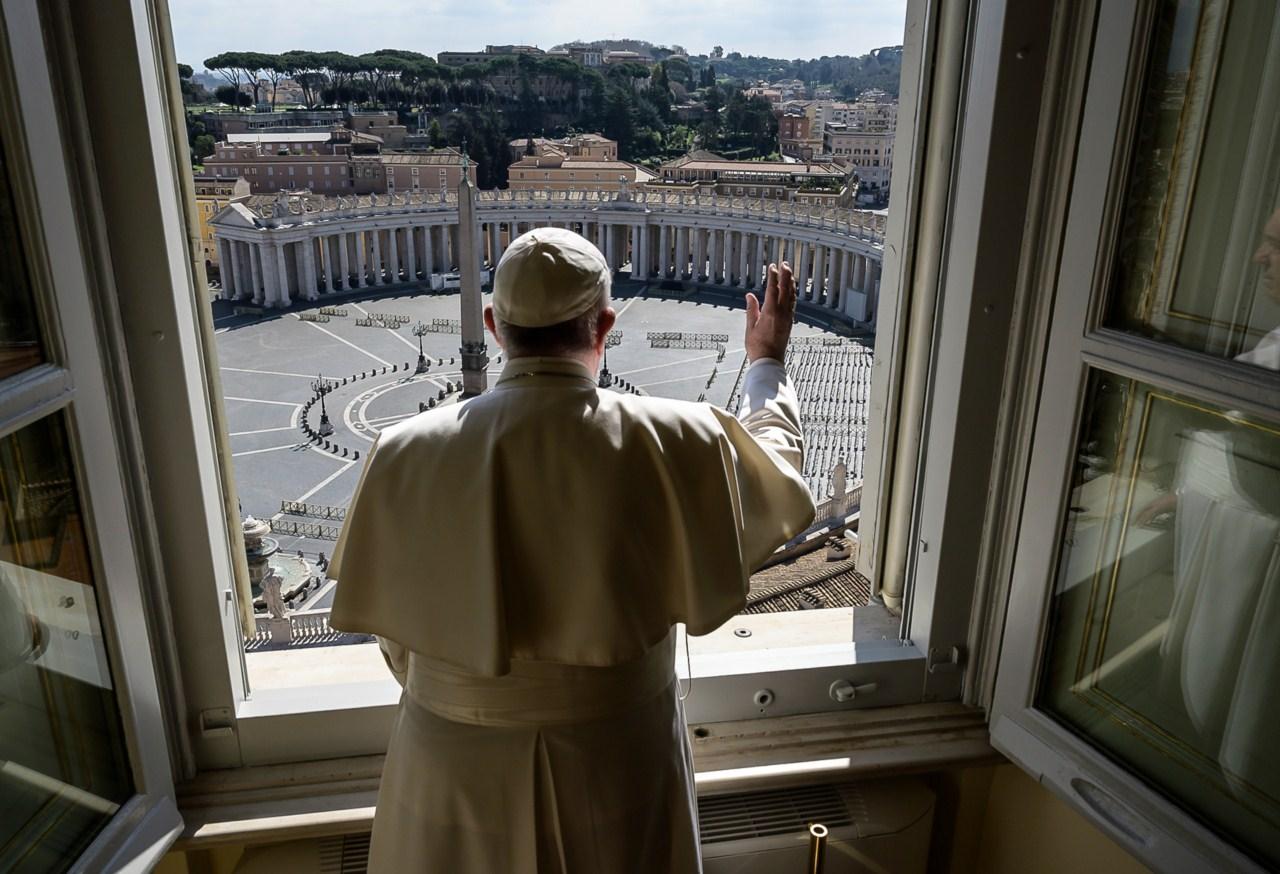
(305, 260)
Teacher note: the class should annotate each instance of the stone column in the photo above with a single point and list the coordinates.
(819, 273)
(762, 263)
(664, 250)
(802, 270)
(475, 357)
(682, 252)
(224, 271)
(360, 238)
(308, 280)
(328, 264)
(376, 257)
(344, 259)
(744, 280)
(428, 252)
(254, 251)
(610, 248)
(410, 254)
(600, 232)
(637, 252)
(238, 268)
(495, 245)
(833, 280)
(282, 289)
(860, 273)
(393, 255)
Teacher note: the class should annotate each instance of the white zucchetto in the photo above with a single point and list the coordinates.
(548, 276)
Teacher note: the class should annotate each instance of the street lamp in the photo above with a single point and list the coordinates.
(420, 330)
(322, 388)
(606, 378)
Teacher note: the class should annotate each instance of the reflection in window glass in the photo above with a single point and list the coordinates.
(19, 334)
(1198, 262)
(64, 769)
(1164, 648)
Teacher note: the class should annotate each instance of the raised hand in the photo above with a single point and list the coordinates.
(769, 325)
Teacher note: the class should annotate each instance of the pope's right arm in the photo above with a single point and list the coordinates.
(770, 411)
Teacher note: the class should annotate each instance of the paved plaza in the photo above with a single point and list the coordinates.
(270, 361)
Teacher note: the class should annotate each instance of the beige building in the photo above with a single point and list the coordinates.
(578, 146)
(383, 125)
(212, 194)
(708, 173)
(416, 171)
(556, 172)
(869, 154)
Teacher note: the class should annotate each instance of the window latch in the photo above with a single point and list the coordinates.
(946, 661)
(843, 691)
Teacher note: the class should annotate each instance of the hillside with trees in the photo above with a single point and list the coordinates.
(655, 111)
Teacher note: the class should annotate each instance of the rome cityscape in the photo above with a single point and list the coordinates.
(330, 195)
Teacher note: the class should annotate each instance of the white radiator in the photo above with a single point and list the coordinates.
(876, 827)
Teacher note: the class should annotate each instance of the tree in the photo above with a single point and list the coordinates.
(275, 70)
(660, 91)
(529, 148)
(227, 65)
(307, 69)
(202, 147)
(618, 122)
(435, 135)
(232, 96)
(717, 52)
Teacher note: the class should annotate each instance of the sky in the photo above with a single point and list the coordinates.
(203, 28)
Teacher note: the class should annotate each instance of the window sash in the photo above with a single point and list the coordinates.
(1111, 45)
(74, 385)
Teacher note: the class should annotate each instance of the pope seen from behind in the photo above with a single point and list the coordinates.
(561, 533)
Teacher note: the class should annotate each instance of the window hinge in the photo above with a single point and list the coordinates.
(217, 723)
(945, 661)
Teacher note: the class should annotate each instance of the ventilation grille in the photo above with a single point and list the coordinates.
(774, 812)
(344, 854)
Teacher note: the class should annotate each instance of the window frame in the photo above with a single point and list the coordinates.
(1109, 57)
(182, 413)
(72, 383)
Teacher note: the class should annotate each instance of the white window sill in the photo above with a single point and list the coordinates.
(271, 803)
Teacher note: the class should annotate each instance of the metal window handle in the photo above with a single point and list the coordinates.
(843, 691)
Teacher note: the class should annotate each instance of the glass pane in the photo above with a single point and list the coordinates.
(1163, 647)
(1198, 260)
(64, 769)
(20, 346)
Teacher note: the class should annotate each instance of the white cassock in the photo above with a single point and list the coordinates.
(523, 557)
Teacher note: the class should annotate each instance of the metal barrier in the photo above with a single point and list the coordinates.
(314, 530)
(322, 511)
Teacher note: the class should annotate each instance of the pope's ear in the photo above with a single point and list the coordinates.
(604, 324)
(489, 322)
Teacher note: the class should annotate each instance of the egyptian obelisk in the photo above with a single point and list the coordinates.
(475, 357)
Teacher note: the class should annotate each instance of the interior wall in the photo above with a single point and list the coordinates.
(997, 820)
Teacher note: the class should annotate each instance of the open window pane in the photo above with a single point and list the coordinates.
(1163, 648)
(330, 226)
(64, 768)
(1198, 257)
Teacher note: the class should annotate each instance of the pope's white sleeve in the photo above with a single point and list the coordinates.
(770, 411)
